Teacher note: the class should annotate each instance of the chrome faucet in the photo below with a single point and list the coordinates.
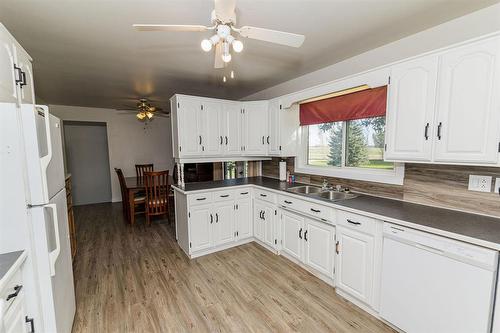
(325, 185)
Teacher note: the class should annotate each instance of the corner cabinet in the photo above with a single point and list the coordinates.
(445, 107)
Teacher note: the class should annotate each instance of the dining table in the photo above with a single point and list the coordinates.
(135, 185)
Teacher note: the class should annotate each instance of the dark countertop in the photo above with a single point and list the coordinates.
(7, 260)
(474, 226)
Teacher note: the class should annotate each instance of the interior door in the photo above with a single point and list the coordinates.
(243, 217)
(468, 119)
(255, 128)
(224, 222)
(232, 128)
(200, 230)
(8, 75)
(292, 227)
(212, 124)
(410, 110)
(354, 271)
(319, 244)
(188, 122)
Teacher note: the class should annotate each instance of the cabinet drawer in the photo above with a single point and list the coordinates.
(292, 203)
(318, 211)
(357, 222)
(265, 195)
(223, 195)
(243, 193)
(10, 289)
(199, 198)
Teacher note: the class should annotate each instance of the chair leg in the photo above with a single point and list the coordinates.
(148, 219)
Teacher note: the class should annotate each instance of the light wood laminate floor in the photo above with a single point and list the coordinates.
(136, 279)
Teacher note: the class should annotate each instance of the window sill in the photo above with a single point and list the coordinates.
(394, 177)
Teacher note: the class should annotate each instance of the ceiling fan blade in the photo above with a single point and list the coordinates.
(225, 10)
(218, 63)
(272, 36)
(169, 27)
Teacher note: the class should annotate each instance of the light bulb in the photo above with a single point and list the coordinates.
(232, 74)
(141, 115)
(224, 79)
(226, 57)
(149, 114)
(206, 45)
(237, 46)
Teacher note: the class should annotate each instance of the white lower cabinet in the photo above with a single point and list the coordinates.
(265, 222)
(223, 223)
(354, 265)
(200, 227)
(243, 218)
(309, 241)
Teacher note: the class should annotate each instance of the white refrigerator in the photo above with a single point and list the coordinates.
(35, 160)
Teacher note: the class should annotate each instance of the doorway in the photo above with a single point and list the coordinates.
(87, 159)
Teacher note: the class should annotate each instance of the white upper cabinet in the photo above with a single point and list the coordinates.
(468, 104)
(8, 74)
(255, 128)
(410, 110)
(211, 125)
(231, 128)
(26, 86)
(274, 128)
(186, 126)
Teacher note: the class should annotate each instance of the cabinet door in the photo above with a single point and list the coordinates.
(232, 129)
(255, 121)
(258, 220)
(292, 227)
(243, 217)
(319, 244)
(274, 128)
(212, 124)
(188, 114)
(468, 104)
(410, 110)
(14, 320)
(26, 90)
(269, 215)
(200, 230)
(8, 89)
(354, 273)
(223, 223)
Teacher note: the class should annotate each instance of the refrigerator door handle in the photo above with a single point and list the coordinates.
(45, 160)
(55, 253)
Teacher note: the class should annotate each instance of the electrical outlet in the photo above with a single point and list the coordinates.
(497, 185)
(480, 183)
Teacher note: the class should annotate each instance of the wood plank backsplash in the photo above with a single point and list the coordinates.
(430, 184)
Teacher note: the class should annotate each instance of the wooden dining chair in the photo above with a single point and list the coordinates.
(138, 199)
(157, 193)
(140, 169)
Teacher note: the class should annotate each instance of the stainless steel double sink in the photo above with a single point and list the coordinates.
(315, 191)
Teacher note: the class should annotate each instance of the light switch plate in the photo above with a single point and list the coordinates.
(480, 183)
(497, 185)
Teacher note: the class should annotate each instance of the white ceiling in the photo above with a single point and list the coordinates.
(87, 54)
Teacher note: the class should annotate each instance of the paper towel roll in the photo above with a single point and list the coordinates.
(283, 171)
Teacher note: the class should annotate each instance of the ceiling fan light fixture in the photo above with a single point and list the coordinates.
(149, 114)
(224, 79)
(206, 45)
(214, 39)
(237, 46)
(140, 115)
(232, 74)
(226, 57)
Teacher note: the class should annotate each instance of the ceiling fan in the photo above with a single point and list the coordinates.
(224, 21)
(146, 111)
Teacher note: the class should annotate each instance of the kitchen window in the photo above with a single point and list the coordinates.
(350, 147)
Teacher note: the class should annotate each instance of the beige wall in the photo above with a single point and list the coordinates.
(129, 141)
(476, 24)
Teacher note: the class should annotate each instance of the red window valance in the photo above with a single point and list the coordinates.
(362, 104)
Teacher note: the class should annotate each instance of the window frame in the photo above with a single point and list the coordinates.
(394, 176)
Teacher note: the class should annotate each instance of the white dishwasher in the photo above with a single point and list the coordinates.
(432, 284)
